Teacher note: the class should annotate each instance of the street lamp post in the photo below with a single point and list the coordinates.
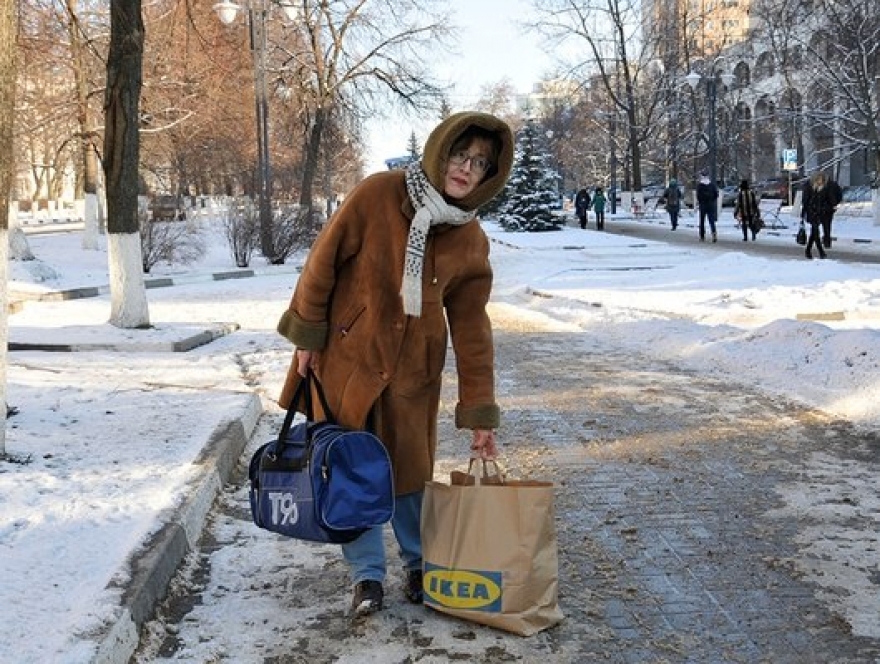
(257, 10)
(727, 79)
(613, 138)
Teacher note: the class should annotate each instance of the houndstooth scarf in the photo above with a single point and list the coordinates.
(431, 210)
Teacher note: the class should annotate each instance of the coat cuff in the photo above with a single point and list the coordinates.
(478, 417)
(309, 336)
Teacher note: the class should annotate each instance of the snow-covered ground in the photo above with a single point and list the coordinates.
(111, 436)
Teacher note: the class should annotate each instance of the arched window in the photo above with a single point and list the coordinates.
(765, 66)
(743, 75)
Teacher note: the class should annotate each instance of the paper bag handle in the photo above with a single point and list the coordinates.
(483, 464)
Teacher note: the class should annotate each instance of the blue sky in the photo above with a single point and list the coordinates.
(492, 47)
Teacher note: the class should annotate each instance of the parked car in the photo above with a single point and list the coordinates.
(653, 191)
(728, 195)
(772, 188)
(167, 207)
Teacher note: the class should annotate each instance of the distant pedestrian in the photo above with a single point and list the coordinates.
(581, 205)
(747, 211)
(817, 210)
(836, 195)
(672, 198)
(599, 208)
(707, 201)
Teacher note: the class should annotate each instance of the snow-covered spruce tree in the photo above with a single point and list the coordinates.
(412, 147)
(531, 194)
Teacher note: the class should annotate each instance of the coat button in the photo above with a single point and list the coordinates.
(398, 325)
(383, 375)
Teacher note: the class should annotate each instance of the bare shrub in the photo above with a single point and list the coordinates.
(292, 230)
(174, 242)
(242, 227)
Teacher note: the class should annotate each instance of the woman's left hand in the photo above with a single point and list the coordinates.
(483, 445)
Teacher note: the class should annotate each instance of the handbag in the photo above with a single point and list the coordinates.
(801, 237)
(490, 551)
(318, 481)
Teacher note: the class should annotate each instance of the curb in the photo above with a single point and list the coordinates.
(183, 345)
(153, 566)
(156, 282)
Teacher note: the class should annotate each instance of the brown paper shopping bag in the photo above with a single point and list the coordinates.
(490, 551)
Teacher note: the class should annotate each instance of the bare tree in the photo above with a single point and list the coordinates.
(355, 55)
(829, 54)
(121, 149)
(606, 35)
(88, 132)
(7, 108)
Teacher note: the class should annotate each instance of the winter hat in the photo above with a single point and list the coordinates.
(440, 143)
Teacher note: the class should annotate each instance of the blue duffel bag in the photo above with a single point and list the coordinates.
(319, 481)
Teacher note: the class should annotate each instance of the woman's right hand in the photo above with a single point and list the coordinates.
(304, 360)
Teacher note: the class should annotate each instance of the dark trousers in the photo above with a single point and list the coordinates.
(826, 232)
(707, 213)
(600, 220)
(673, 216)
(814, 239)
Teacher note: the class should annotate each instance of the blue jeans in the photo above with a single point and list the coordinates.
(366, 555)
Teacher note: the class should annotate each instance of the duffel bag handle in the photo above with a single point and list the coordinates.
(304, 392)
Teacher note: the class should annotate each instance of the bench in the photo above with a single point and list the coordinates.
(770, 209)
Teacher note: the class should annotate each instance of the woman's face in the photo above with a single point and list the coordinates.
(466, 167)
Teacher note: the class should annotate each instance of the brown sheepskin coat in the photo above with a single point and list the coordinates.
(373, 359)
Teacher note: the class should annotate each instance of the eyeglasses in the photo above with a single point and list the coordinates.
(478, 163)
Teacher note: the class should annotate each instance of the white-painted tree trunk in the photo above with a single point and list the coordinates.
(16, 242)
(128, 293)
(90, 218)
(4, 327)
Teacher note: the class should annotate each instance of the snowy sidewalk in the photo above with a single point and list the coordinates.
(126, 442)
(122, 454)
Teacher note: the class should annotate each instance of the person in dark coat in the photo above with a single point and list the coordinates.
(707, 202)
(672, 199)
(401, 269)
(836, 195)
(581, 205)
(817, 210)
(746, 210)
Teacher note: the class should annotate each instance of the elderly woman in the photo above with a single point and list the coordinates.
(401, 265)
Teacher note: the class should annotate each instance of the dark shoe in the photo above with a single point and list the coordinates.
(367, 598)
(823, 255)
(714, 236)
(413, 586)
(808, 254)
(745, 239)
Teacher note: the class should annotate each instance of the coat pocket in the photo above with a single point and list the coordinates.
(343, 325)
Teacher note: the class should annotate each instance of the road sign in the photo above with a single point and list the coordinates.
(789, 160)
